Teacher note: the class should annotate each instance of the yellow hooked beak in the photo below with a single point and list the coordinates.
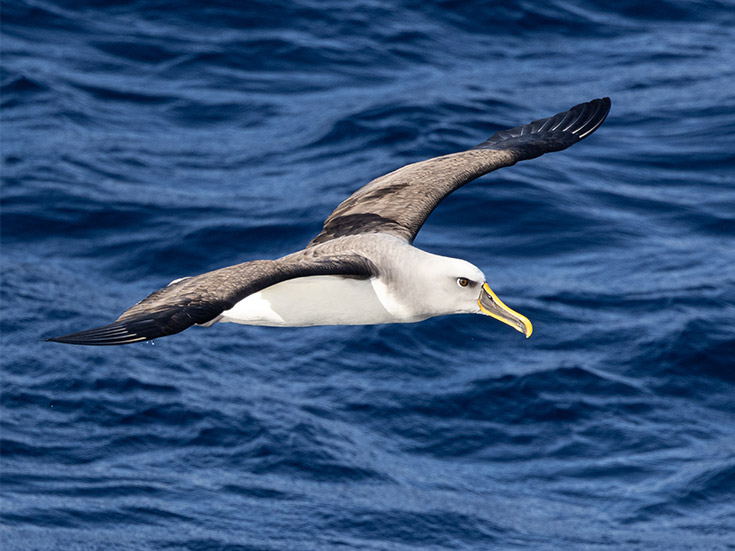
(491, 305)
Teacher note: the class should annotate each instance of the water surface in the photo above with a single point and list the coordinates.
(146, 141)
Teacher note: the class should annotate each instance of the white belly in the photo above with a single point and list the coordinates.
(317, 300)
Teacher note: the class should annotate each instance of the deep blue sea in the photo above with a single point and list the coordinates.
(148, 140)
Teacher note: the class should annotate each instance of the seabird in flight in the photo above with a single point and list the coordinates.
(362, 268)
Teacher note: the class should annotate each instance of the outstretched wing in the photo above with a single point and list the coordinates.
(400, 202)
(200, 299)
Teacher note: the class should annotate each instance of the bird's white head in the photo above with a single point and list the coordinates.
(459, 287)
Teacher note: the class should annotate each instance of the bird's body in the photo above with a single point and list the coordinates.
(314, 300)
(396, 295)
(362, 268)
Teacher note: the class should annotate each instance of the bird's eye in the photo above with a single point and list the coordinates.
(463, 281)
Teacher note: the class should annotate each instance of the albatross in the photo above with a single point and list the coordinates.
(362, 268)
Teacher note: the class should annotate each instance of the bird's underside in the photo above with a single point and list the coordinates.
(391, 209)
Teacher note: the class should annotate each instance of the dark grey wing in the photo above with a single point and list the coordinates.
(400, 202)
(200, 299)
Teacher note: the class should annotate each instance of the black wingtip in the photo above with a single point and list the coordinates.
(552, 133)
(107, 335)
(598, 111)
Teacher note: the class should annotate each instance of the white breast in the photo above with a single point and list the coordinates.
(318, 300)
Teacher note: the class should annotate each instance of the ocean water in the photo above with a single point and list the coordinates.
(149, 140)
